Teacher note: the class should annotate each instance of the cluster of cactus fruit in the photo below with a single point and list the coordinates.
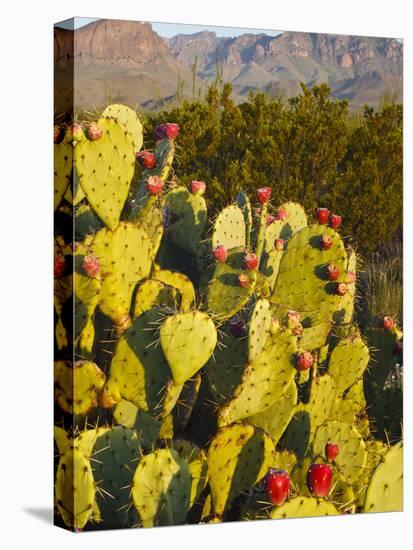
(213, 370)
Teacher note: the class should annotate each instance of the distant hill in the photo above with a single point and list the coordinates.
(127, 61)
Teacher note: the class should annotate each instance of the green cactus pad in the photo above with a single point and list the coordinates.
(188, 341)
(198, 466)
(321, 402)
(270, 265)
(347, 302)
(385, 490)
(63, 167)
(181, 283)
(226, 367)
(302, 507)
(139, 371)
(75, 487)
(275, 419)
(356, 394)
(78, 387)
(264, 380)
(302, 284)
(295, 221)
(153, 293)
(348, 361)
(130, 120)
(229, 228)
(105, 168)
(188, 213)
(243, 202)
(238, 457)
(147, 428)
(259, 328)
(284, 460)
(86, 222)
(161, 488)
(345, 410)
(151, 222)
(225, 296)
(297, 435)
(315, 337)
(352, 457)
(182, 411)
(376, 450)
(115, 457)
(87, 296)
(125, 256)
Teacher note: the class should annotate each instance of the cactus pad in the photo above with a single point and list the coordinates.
(125, 256)
(385, 490)
(161, 488)
(264, 380)
(63, 167)
(130, 120)
(229, 228)
(115, 457)
(197, 465)
(105, 168)
(225, 296)
(348, 361)
(352, 457)
(302, 507)
(238, 456)
(188, 341)
(181, 283)
(259, 328)
(188, 216)
(78, 387)
(153, 293)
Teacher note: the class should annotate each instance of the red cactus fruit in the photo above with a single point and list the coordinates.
(198, 187)
(91, 265)
(335, 221)
(277, 485)
(323, 215)
(220, 253)
(146, 159)
(331, 451)
(154, 185)
(304, 361)
(75, 133)
(270, 219)
(251, 261)
(59, 265)
(279, 244)
(341, 289)
(243, 280)
(281, 214)
(350, 277)
(264, 194)
(333, 272)
(319, 479)
(326, 242)
(388, 322)
(94, 131)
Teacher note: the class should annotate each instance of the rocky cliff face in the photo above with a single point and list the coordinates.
(128, 61)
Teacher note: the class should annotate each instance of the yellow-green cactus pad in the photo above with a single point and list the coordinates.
(348, 361)
(243, 202)
(148, 428)
(197, 464)
(284, 460)
(78, 386)
(352, 456)
(130, 120)
(275, 419)
(75, 487)
(188, 341)
(115, 457)
(161, 489)
(259, 328)
(105, 168)
(302, 283)
(229, 228)
(139, 371)
(385, 490)
(153, 293)
(63, 167)
(125, 256)
(225, 295)
(181, 283)
(303, 507)
(264, 380)
(238, 457)
(187, 213)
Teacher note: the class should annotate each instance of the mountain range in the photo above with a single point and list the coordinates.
(126, 61)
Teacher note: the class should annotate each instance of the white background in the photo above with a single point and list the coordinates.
(26, 280)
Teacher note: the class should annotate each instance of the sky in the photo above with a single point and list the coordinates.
(171, 29)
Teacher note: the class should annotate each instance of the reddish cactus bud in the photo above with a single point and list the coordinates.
(335, 221)
(220, 253)
(264, 194)
(91, 265)
(94, 131)
(251, 261)
(198, 187)
(323, 215)
(154, 185)
(304, 361)
(333, 272)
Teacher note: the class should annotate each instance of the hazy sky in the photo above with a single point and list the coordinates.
(171, 29)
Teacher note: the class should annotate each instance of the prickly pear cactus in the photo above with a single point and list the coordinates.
(208, 370)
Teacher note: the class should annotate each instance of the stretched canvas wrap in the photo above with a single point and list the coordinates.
(228, 274)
